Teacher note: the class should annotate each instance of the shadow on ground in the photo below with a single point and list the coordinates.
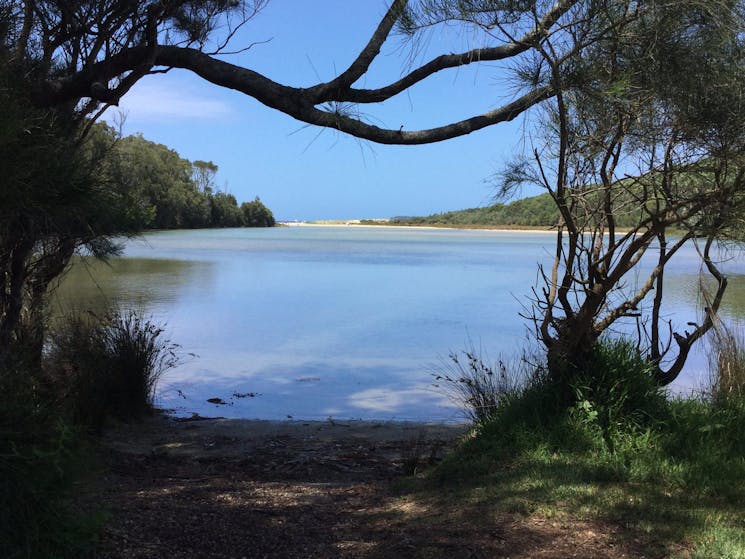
(295, 496)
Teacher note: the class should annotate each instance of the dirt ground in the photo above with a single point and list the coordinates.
(258, 489)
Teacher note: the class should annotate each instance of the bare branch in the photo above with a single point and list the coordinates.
(686, 340)
(632, 302)
(361, 64)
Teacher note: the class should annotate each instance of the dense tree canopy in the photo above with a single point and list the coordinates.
(168, 191)
(256, 214)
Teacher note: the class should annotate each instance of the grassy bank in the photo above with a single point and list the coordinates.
(663, 478)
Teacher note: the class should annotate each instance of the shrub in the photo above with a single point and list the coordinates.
(476, 387)
(41, 456)
(616, 390)
(75, 366)
(139, 356)
(108, 367)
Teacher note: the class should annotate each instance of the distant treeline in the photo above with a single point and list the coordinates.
(171, 192)
(535, 211)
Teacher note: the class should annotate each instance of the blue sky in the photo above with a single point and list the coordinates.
(307, 173)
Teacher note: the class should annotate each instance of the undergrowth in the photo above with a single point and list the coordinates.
(92, 369)
(107, 367)
(42, 456)
(667, 472)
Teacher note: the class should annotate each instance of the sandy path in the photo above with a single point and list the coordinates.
(222, 489)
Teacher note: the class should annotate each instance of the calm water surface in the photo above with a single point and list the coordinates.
(338, 322)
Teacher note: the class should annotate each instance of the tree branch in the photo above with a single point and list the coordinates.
(296, 102)
(302, 103)
(366, 131)
(686, 341)
(361, 64)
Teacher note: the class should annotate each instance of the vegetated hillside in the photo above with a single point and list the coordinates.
(534, 211)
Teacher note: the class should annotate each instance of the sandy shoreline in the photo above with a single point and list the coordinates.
(234, 488)
(221, 437)
(224, 489)
(356, 223)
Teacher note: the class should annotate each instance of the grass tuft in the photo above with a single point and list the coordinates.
(108, 367)
(478, 388)
(727, 363)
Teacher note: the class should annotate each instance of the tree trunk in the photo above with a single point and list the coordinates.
(568, 352)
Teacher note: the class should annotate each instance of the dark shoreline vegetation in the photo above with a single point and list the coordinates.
(95, 370)
(170, 192)
(663, 473)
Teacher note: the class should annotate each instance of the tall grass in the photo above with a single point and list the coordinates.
(477, 387)
(108, 366)
(727, 364)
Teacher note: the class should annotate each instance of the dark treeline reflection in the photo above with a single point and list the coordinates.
(139, 283)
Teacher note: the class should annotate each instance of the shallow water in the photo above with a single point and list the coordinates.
(345, 322)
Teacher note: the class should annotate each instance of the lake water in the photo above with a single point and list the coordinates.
(342, 322)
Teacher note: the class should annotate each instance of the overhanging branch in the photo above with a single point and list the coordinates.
(127, 66)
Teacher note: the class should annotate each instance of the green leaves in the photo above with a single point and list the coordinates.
(256, 214)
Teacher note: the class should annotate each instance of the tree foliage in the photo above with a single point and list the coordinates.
(225, 211)
(534, 211)
(256, 214)
(55, 200)
(632, 133)
(170, 192)
(639, 107)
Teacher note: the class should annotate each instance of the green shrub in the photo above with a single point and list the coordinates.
(108, 367)
(616, 391)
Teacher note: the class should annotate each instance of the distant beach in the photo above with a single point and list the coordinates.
(383, 223)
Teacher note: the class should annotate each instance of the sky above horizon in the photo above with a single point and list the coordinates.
(307, 173)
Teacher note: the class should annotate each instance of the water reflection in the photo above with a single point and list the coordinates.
(309, 390)
(339, 321)
(686, 289)
(150, 284)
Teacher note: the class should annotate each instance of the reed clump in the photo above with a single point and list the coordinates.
(727, 365)
(109, 366)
